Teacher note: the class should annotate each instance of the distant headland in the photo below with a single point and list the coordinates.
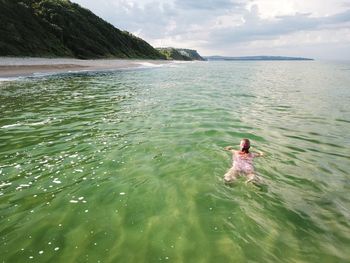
(254, 58)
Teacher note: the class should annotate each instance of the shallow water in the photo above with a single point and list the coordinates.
(127, 166)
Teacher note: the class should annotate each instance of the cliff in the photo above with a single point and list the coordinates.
(180, 54)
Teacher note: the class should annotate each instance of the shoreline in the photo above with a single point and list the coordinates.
(14, 67)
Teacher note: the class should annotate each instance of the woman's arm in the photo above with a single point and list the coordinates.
(230, 148)
(259, 154)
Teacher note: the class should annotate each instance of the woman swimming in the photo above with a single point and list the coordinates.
(242, 163)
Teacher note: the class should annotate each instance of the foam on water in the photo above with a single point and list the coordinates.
(10, 79)
(26, 124)
(149, 65)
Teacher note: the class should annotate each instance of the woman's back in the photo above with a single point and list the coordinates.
(243, 162)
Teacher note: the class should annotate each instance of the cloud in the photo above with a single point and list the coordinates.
(206, 4)
(150, 19)
(155, 19)
(254, 28)
(219, 26)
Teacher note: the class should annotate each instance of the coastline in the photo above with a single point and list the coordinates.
(14, 67)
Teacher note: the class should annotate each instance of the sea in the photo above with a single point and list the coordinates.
(127, 165)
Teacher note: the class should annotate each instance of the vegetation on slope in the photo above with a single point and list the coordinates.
(61, 28)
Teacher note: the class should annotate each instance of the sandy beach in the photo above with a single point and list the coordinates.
(18, 67)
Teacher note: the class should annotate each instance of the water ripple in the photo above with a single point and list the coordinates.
(96, 166)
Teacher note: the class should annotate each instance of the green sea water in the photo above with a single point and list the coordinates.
(127, 166)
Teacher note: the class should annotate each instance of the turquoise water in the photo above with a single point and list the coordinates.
(127, 166)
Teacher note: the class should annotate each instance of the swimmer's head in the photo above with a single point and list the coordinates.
(245, 145)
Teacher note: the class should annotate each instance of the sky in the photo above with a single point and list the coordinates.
(317, 29)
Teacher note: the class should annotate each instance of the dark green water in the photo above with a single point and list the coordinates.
(127, 166)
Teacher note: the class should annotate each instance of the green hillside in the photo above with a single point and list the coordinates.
(180, 54)
(56, 28)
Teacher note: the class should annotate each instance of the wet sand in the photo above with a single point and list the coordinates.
(27, 70)
(18, 67)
